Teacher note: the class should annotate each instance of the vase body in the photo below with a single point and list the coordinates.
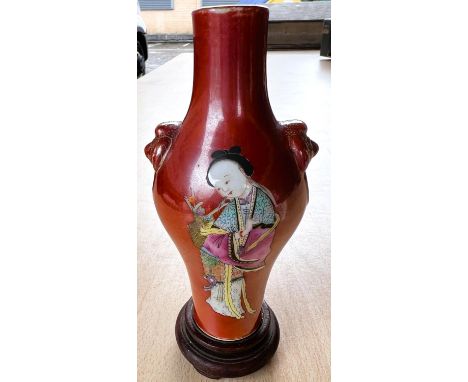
(230, 185)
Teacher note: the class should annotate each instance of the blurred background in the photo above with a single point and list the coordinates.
(164, 27)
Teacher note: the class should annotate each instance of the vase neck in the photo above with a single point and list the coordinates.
(230, 59)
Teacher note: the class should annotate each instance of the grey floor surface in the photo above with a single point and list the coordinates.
(161, 52)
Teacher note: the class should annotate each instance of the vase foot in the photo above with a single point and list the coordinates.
(226, 359)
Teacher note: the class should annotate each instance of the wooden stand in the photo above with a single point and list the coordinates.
(226, 359)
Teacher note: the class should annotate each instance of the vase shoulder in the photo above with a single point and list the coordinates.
(273, 153)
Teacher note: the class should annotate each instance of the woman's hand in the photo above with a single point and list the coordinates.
(248, 226)
(245, 232)
(199, 210)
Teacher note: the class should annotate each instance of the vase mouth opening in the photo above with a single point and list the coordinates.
(221, 9)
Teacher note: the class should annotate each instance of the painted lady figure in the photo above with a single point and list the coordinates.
(239, 239)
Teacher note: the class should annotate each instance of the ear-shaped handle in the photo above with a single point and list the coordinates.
(302, 147)
(156, 151)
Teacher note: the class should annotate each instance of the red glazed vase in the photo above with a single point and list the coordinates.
(230, 188)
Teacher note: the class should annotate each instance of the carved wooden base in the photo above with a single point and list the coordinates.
(226, 359)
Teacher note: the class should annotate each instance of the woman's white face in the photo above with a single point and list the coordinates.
(228, 178)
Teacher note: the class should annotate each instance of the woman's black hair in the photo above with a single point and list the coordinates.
(234, 154)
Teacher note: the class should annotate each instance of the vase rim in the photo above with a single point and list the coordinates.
(229, 8)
